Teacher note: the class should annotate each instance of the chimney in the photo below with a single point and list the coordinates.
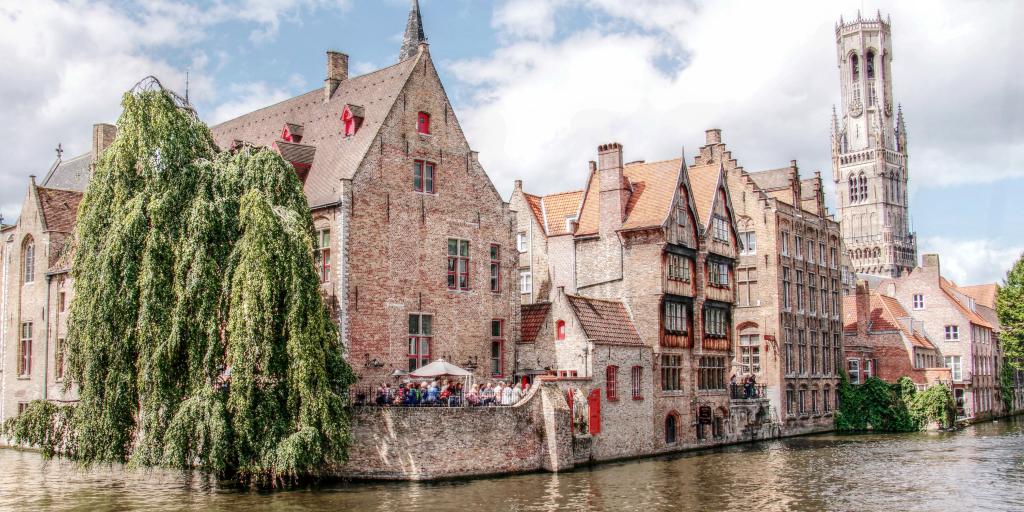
(519, 185)
(713, 136)
(931, 261)
(103, 136)
(337, 72)
(863, 302)
(612, 202)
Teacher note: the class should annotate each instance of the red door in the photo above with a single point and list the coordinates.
(594, 404)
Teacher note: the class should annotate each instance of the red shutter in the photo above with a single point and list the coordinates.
(594, 403)
(568, 398)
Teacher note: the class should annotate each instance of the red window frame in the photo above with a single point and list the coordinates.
(560, 330)
(349, 121)
(423, 174)
(611, 379)
(458, 264)
(25, 350)
(423, 123)
(497, 342)
(420, 340)
(322, 254)
(636, 377)
(495, 268)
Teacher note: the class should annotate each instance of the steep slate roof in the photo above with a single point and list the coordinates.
(337, 157)
(604, 321)
(533, 318)
(984, 294)
(652, 188)
(950, 290)
(72, 174)
(704, 180)
(59, 208)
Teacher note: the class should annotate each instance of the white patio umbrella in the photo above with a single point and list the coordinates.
(440, 368)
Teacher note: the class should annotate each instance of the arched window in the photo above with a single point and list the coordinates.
(28, 260)
(423, 123)
(870, 64)
(854, 67)
(670, 428)
(560, 330)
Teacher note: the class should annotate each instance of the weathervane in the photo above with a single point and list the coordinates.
(60, 151)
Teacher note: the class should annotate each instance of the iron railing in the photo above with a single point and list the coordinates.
(746, 391)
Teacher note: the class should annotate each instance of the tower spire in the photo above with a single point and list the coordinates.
(413, 33)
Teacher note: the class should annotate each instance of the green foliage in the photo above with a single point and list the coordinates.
(190, 261)
(933, 405)
(1006, 388)
(1010, 308)
(880, 406)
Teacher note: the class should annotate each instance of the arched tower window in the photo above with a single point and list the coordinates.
(852, 185)
(854, 67)
(28, 260)
(870, 64)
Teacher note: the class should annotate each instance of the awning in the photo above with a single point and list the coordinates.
(440, 368)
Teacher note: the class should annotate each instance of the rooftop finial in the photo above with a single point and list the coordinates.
(60, 151)
(413, 33)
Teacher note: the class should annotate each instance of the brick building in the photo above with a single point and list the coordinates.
(543, 221)
(789, 279)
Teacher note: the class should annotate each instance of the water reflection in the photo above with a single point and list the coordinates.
(981, 468)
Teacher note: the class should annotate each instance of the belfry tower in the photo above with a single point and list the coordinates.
(869, 152)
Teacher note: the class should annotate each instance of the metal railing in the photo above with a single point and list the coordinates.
(370, 396)
(746, 391)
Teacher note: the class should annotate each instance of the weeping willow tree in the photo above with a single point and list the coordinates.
(197, 336)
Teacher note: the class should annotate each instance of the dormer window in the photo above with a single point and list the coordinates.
(423, 123)
(352, 119)
(291, 132)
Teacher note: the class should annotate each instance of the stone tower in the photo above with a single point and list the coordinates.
(413, 33)
(869, 152)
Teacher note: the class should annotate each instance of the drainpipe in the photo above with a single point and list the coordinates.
(46, 352)
(3, 334)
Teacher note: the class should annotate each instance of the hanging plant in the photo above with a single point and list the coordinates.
(197, 336)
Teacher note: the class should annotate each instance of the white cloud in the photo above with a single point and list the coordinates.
(654, 74)
(246, 98)
(970, 262)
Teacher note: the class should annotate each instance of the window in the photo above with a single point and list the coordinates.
(853, 368)
(832, 253)
(715, 321)
(814, 352)
(812, 294)
(525, 282)
(801, 403)
(420, 332)
(712, 373)
(784, 238)
(953, 363)
(423, 176)
(749, 240)
(746, 282)
(62, 302)
(750, 353)
(671, 372)
(25, 350)
(868, 370)
(952, 333)
(349, 120)
(22, 407)
(800, 290)
(458, 264)
(826, 355)
(814, 401)
(495, 268)
(869, 64)
(824, 296)
(720, 229)
(918, 301)
(810, 251)
(801, 354)
(718, 273)
(790, 367)
(611, 382)
(790, 403)
(838, 352)
(423, 123)
(568, 223)
(560, 330)
(785, 288)
(636, 375)
(670, 429)
(28, 261)
(322, 255)
(521, 242)
(497, 347)
(826, 399)
(58, 359)
(799, 247)
(675, 318)
(821, 253)
(678, 267)
(854, 67)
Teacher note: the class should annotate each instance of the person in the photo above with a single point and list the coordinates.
(506, 395)
(732, 384)
(446, 394)
(473, 397)
(399, 398)
(748, 386)
(433, 393)
(526, 389)
(498, 388)
(517, 394)
(487, 395)
(382, 393)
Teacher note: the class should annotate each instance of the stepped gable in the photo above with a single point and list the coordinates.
(604, 322)
(337, 157)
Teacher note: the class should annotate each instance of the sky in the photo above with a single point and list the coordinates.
(539, 84)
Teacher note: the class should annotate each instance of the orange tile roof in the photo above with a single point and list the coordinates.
(533, 318)
(534, 203)
(885, 315)
(652, 191)
(604, 321)
(557, 208)
(974, 318)
(984, 294)
(895, 311)
(704, 180)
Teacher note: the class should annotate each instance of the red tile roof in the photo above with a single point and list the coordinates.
(534, 203)
(652, 190)
(557, 208)
(533, 318)
(950, 289)
(984, 294)
(886, 314)
(337, 157)
(59, 208)
(704, 180)
(604, 321)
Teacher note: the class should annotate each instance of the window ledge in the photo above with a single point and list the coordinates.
(24, 377)
(674, 392)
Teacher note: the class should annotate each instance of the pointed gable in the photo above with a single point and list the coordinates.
(533, 318)
(652, 188)
(58, 208)
(705, 181)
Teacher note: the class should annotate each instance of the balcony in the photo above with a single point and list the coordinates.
(747, 391)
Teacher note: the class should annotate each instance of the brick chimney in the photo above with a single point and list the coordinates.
(103, 136)
(931, 262)
(863, 301)
(337, 72)
(613, 193)
(713, 136)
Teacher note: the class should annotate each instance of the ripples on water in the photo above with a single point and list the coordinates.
(981, 468)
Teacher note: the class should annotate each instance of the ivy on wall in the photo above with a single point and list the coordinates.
(197, 336)
(880, 406)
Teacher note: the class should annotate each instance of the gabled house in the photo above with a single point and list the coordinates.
(542, 221)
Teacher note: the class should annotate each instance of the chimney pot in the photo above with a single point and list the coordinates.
(519, 184)
(713, 136)
(103, 136)
(337, 72)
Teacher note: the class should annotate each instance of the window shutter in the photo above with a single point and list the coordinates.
(594, 404)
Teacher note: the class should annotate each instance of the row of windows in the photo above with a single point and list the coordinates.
(812, 254)
(421, 335)
(716, 319)
(858, 186)
(809, 301)
(680, 269)
(612, 383)
(710, 373)
(824, 359)
(796, 401)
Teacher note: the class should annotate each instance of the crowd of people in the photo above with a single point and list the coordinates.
(446, 394)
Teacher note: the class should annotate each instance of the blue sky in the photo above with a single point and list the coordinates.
(538, 84)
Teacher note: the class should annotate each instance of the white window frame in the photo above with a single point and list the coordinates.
(521, 241)
(918, 301)
(853, 370)
(749, 240)
(952, 333)
(525, 281)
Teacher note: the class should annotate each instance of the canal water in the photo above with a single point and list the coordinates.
(980, 468)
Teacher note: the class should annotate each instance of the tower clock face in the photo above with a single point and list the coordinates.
(856, 109)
